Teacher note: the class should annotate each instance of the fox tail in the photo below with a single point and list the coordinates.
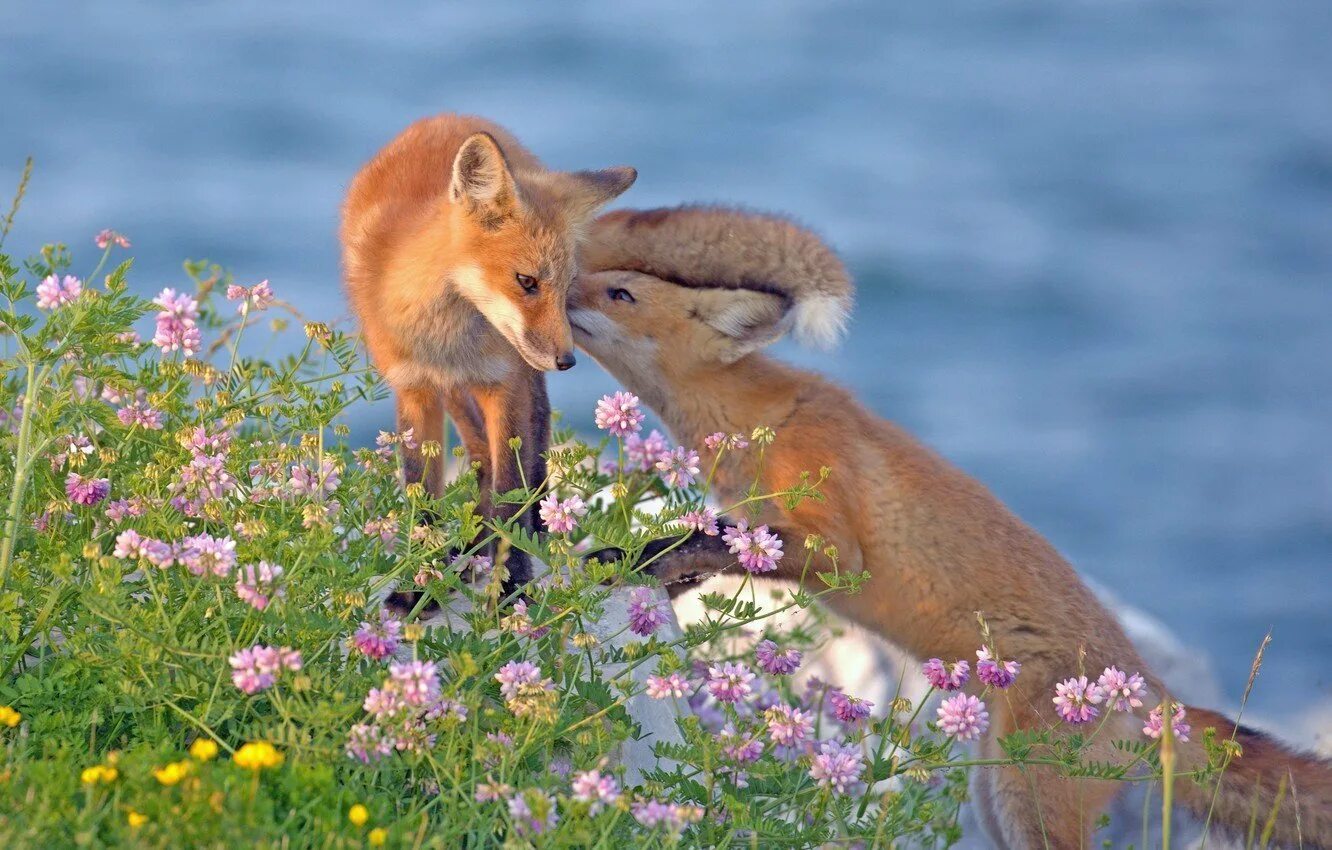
(731, 248)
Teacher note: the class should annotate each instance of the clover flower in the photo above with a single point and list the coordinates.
(368, 743)
(256, 584)
(678, 467)
(140, 414)
(1123, 692)
(836, 766)
(177, 323)
(642, 453)
(108, 237)
(1076, 700)
(306, 481)
(646, 614)
(700, 519)
(86, 491)
(203, 554)
(674, 817)
(963, 716)
(775, 661)
(533, 812)
(591, 786)
(514, 675)
(256, 668)
(661, 687)
(993, 672)
(378, 640)
(789, 726)
(561, 516)
(257, 297)
(54, 292)
(619, 414)
(849, 709)
(730, 682)
(946, 677)
(386, 528)
(721, 440)
(1155, 725)
(758, 550)
(417, 681)
(491, 792)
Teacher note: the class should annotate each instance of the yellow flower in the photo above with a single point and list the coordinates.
(204, 749)
(257, 755)
(377, 837)
(99, 773)
(358, 815)
(172, 773)
(135, 819)
(9, 717)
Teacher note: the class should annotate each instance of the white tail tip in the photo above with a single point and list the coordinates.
(820, 321)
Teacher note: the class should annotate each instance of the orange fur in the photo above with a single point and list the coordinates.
(937, 544)
(458, 254)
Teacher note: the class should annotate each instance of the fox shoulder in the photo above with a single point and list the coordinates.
(730, 248)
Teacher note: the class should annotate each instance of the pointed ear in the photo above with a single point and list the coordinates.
(481, 179)
(592, 190)
(746, 319)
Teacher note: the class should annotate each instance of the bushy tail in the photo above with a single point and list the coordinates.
(730, 248)
(1251, 785)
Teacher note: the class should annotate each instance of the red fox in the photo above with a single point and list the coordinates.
(458, 251)
(675, 303)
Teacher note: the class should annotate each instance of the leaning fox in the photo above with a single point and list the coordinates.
(674, 303)
(458, 252)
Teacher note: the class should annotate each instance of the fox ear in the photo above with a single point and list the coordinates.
(747, 319)
(481, 179)
(594, 189)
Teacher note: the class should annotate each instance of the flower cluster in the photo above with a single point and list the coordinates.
(619, 414)
(256, 668)
(758, 550)
(177, 323)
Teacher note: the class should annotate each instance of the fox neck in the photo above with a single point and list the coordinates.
(734, 398)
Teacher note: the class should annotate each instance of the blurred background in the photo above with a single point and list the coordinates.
(1093, 240)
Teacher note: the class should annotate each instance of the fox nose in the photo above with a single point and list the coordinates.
(565, 361)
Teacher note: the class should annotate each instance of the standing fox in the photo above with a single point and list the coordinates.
(674, 303)
(458, 249)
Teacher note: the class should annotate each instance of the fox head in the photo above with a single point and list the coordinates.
(653, 334)
(519, 235)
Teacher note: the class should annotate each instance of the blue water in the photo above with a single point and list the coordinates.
(1093, 240)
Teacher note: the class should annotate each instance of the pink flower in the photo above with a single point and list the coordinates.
(492, 792)
(758, 551)
(559, 516)
(368, 743)
(836, 766)
(258, 297)
(139, 413)
(776, 662)
(203, 554)
(946, 677)
(86, 491)
(963, 717)
(789, 727)
(417, 682)
(730, 682)
(257, 584)
(1123, 692)
(513, 675)
(1076, 700)
(384, 703)
(1156, 724)
(591, 786)
(53, 292)
(739, 748)
(177, 323)
(646, 614)
(533, 812)
(661, 687)
(619, 414)
(721, 440)
(642, 453)
(999, 674)
(306, 481)
(256, 668)
(701, 519)
(674, 817)
(849, 709)
(679, 467)
(378, 640)
(108, 237)
(131, 546)
(386, 529)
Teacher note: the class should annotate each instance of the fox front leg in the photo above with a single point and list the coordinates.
(516, 408)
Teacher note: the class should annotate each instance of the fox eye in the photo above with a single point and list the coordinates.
(527, 282)
(618, 294)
